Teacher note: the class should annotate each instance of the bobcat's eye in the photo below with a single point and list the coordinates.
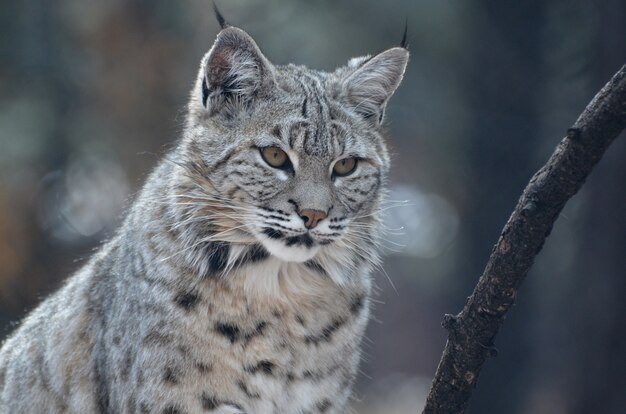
(275, 157)
(345, 167)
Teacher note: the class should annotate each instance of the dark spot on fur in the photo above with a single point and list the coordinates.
(304, 108)
(260, 326)
(276, 131)
(243, 387)
(203, 368)
(155, 337)
(140, 377)
(144, 408)
(323, 405)
(172, 409)
(273, 233)
(333, 369)
(253, 254)
(230, 331)
(264, 367)
(294, 204)
(308, 146)
(132, 404)
(258, 330)
(357, 304)
(127, 364)
(183, 349)
(209, 402)
(170, 376)
(327, 332)
(101, 381)
(83, 335)
(314, 265)
(235, 333)
(218, 256)
(187, 300)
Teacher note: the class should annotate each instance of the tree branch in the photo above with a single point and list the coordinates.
(471, 333)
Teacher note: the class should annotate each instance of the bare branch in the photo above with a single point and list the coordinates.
(472, 332)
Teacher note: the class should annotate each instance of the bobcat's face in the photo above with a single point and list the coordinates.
(295, 155)
(304, 165)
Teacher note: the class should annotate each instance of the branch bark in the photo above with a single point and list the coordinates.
(471, 333)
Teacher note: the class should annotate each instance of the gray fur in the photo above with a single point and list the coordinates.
(213, 296)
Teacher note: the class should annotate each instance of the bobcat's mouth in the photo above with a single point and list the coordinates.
(303, 239)
(290, 248)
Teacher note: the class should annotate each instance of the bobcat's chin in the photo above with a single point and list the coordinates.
(290, 253)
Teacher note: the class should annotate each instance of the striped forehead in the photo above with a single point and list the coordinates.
(318, 129)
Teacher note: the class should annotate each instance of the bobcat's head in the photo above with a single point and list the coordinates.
(285, 157)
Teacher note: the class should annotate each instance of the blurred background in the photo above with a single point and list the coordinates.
(92, 94)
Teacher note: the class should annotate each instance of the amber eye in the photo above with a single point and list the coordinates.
(344, 167)
(274, 156)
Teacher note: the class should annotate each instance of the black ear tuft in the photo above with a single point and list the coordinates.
(220, 19)
(403, 42)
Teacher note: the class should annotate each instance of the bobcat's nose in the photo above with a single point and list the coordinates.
(312, 217)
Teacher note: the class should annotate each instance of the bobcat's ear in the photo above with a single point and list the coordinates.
(233, 71)
(368, 88)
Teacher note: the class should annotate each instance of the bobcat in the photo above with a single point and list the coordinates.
(239, 281)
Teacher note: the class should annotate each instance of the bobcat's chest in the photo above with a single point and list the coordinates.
(285, 356)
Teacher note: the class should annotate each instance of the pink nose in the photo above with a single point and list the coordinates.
(312, 217)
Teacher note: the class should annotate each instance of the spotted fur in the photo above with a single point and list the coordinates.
(213, 297)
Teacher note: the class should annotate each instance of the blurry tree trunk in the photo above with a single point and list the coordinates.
(472, 332)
